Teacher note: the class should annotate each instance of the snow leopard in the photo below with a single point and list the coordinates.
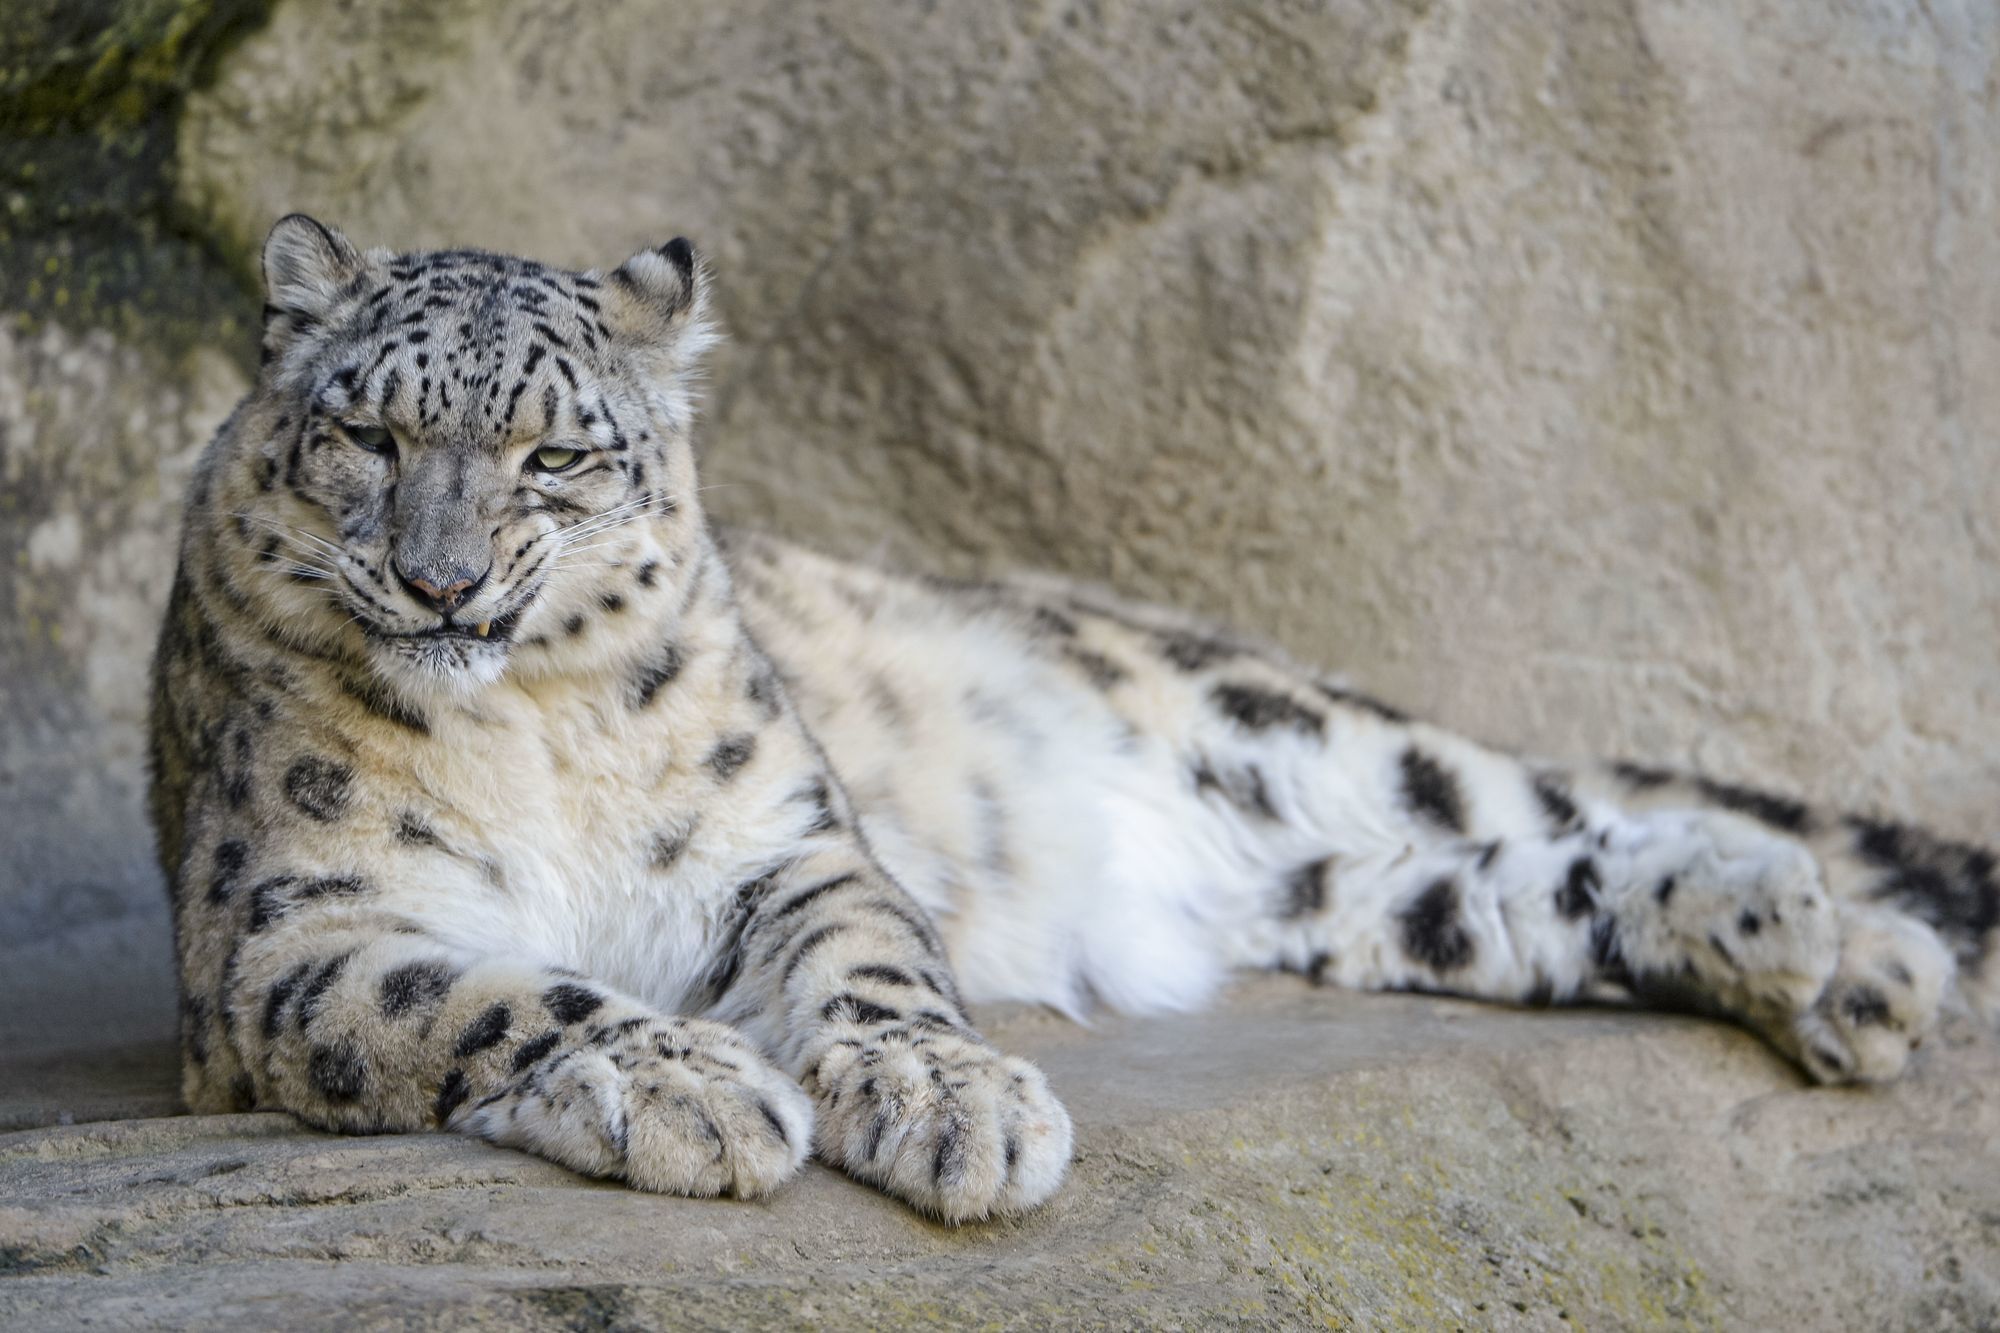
(499, 791)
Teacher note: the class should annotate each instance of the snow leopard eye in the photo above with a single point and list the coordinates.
(553, 458)
(375, 439)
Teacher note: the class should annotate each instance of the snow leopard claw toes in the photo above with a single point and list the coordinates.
(1879, 1005)
(676, 1106)
(943, 1121)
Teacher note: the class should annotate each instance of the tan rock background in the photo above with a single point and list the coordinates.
(1598, 378)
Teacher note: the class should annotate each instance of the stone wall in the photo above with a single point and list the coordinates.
(1598, 378)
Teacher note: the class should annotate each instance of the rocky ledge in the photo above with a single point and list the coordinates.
(1295, 1157)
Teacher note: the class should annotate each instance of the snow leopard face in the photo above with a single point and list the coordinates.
(467, 455)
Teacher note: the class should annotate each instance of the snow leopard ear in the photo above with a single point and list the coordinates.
(659, 303)
(306, 266)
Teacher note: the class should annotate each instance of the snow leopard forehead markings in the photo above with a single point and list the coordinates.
(476, 349)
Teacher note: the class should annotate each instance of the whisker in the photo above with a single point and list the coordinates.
(628, 512)
(302, 548)
(630, 506)
(288, 531)
(582, 530)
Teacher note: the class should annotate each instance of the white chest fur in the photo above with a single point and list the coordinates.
(573, 831)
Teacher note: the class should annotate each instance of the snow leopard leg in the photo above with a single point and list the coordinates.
(1444, 865)
(841, 974)
(363, 1025)
(1383, 852)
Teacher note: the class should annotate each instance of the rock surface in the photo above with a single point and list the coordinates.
(1295, 1158)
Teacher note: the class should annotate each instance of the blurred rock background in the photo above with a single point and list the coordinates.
(1597, 378)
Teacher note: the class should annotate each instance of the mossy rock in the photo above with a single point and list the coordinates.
(90, 234)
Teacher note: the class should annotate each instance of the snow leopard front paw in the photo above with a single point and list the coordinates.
(941, 1120)
(680, 1106)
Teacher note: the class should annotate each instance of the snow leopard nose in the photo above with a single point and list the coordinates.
(443, 591)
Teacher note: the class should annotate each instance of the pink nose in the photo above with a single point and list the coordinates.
(443, 600)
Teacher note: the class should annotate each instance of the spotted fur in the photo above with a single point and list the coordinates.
(499, 792)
